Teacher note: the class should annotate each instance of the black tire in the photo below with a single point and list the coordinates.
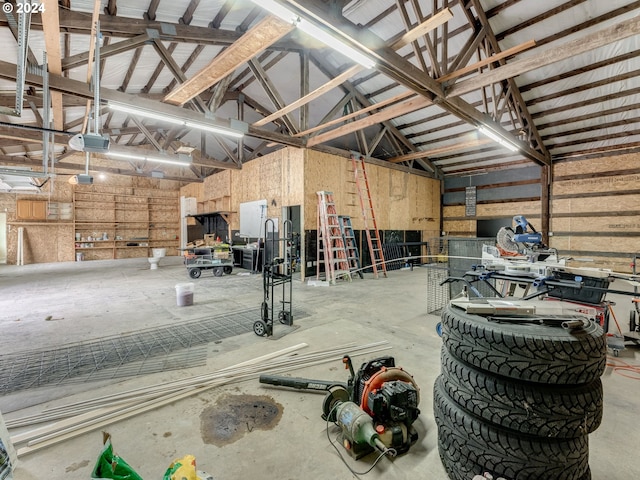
(554, 411)
(195, 272)
(284, 317)
(227, 270)
(218, 271)
(469, 446)
(260, 328)
(535, 353)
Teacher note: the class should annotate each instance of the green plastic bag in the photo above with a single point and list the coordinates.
(110, 466)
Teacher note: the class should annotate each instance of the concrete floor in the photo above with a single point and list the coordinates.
(54, 304)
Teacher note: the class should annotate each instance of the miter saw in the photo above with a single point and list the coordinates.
(375, 409)
(522, 239)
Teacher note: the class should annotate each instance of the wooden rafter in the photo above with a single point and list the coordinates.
(350, 72)
(370, 108)
(80, 59)
(440, 150)
(391, 112)
(54, 55)
(486, 61)
(585, 44)
(177, 72)
(264, 33)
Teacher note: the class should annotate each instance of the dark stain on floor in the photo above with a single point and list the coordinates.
(233, 416)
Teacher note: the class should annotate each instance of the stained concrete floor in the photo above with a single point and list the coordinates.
(47, 306)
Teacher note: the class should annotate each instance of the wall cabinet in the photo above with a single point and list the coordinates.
(125, 222)
(31, 210)
(60, 211)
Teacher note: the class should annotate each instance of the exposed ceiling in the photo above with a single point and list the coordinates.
(558, 79)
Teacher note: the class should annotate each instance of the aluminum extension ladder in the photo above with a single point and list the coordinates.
(350, 244)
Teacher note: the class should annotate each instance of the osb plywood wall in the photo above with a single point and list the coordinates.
(402, 201)
(44, 241)
(456, 224)
(276, 178)
(292, 176)
(595, 210)
(54, 240)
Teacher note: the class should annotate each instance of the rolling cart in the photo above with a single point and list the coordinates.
(199, 259)
(276, 272)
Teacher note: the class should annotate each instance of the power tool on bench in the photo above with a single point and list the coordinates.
(375, 409)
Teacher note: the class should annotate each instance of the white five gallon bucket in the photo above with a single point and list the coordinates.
(184, 294)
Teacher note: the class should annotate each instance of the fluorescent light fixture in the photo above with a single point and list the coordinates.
(145, 113)
(175, 120)
(180, 160)
(500, 140)
(16, 172)
(213, 129)
(312, 30)
(336, 44)
(278, 10)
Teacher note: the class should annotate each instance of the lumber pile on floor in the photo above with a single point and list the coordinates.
(74, 419)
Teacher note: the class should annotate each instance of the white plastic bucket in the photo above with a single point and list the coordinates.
(184, 294)
(79, 256)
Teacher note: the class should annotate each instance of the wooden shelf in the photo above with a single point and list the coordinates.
(128, 213)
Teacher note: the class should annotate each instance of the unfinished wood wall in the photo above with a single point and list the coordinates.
(292, 176)
(402, 201)
(594, 217)
(595, 213)
(54, 240)
(44, 241)
(499, 195)
(277, 178)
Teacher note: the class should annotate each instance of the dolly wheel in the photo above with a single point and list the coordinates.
(284, 317)
(195, 272)
(217, 272)
(228, 270)
(260, 328)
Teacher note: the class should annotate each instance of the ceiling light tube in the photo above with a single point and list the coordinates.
(145, 113)
(338, 45)
(176, 121)
(278, 10)
(23, 173)
(214, 129)
(312, 30)
(493, 136)
(182, 160)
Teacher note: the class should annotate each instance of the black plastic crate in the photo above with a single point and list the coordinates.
(592, 292)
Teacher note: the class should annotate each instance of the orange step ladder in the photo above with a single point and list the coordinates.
(331, 248)
(368, 216)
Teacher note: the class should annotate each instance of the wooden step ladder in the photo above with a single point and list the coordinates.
(331, 248)
(350, 245)
(368, 216)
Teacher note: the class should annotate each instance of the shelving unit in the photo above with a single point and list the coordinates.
(124, 222)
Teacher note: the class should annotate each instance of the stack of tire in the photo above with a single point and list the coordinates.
(517, 400)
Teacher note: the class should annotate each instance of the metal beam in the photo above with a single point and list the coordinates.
(81, 89)
(106, 51)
